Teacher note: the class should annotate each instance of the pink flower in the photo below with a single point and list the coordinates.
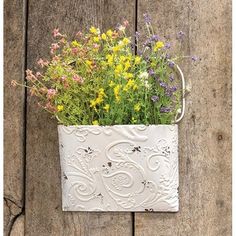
(42, 63)
(79, 34)
(95, 45)
(78, 79)
(29, 72)
(63, 78)
(49, 107)
(56, 33)
(56, 58)
(30, 76)
(54, 47)
(38, 74)
(62, 40)
(126, 23)
(13, 83)
(75, 50)
(51, 93)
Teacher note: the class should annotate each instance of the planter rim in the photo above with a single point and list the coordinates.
(123, 125)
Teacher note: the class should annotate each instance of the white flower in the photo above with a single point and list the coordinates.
(120, 43)
(147, 85)
(143, 75)
(121, 28)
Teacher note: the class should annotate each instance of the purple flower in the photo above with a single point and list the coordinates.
(167, 46)
(180, 35)
(168, 93)
(147, 18)
(164, 109)
(194, 58)
(171, 78)
(155, 38)
(171, 64)
(167, 56)
(147, 43)
(154, 98)
(163, 85)
(137, 34)
(173, 89)
(139, 52)
(132, 46)
(151, 72)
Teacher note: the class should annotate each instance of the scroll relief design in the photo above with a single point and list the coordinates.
(125, 174)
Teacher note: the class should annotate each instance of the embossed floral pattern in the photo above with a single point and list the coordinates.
(119, 168)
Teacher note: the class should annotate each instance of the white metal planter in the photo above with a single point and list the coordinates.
(120, 167)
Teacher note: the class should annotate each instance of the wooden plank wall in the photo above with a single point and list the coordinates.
(14, 116)
(32, 173)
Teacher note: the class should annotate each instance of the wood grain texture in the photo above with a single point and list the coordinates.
(18, 227)
(14, 21)
(44, 215)
(205, 132)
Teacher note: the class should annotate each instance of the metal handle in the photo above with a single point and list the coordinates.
(178, 119)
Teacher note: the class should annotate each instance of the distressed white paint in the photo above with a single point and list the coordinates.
(119, 168)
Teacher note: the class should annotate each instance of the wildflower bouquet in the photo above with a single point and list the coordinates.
(98, 79)
(109, 79)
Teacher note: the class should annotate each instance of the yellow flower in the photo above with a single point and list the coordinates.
(111, 84)
(119, 69)
(99, 100)
(101, 92)
(133, 120)
(96, 39)
(106, 107)
(75, 43)
(129, 57)
(95, 122)
(94, 30)
(93, 103)
(126, 41)
(127, 65)
(109, 33)
(135, 87)
(158, 45)
(104, 37)
(116, 48)
(89, 63)
(137, 107)
(122, 58)
(110, 59)
(116, 92)
(128, 75)
(137, 60)
(60, 108)
(130, 84)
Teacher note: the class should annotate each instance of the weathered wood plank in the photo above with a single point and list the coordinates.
(205, 132)
(43, 193)
(14, 21)
(18, 227)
